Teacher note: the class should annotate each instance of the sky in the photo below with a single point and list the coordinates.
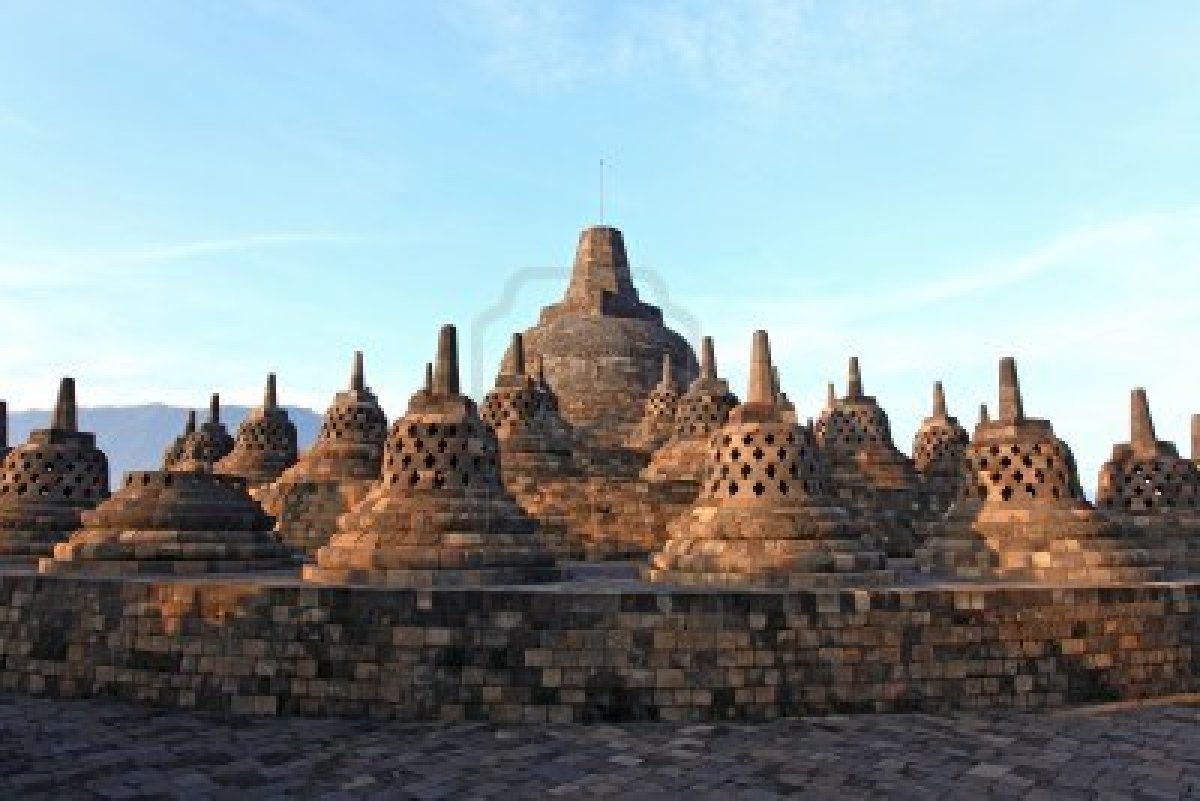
(193, 194)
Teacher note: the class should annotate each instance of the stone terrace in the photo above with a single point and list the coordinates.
(94, 749)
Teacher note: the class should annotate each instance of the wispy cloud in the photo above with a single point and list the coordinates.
(49, 269)
(763, 54)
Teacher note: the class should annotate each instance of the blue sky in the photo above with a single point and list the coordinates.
(192, 194)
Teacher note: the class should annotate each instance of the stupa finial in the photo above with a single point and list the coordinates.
(541, 370)
(761, 389)
(517, 356)
(428, 387)
(939, 400)
(854, 385)
(214, 409)
(1012, 409)
(189, 427)
(65, 417)
(445, 366)
(775, 386)
(270, 394)
(3, 425)
(1196, 437)
(1141, 425)
(708, 359)
(830, 396)
(984, 417)
(358, 379)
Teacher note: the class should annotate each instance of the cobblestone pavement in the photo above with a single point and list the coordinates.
(90, 749)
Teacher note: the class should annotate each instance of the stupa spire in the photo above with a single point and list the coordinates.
(830, 396)
(428, 386)
(1141, 425)
(666, 370)
(601, 266)
(854, 385)
(1196, 437)
(708, 359)
(190, 426)
(515, 362)
(761, 389)
(270, 394)
(65, 417)
(939, 400)
(1012, 409)
(358, 380)
(214, 409)
(984, 417)
(3, 426)
(541, 370)
(445, 366)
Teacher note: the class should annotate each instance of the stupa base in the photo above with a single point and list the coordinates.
(401, 577)
(156, 553)
(773, 581)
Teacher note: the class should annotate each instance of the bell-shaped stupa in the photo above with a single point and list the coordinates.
(47, 482)
(765, 516)
(332, 476)
(1147, 475)
(658, 417)
(534, 440)
(939, 447)
(172, 522)
(265, 445)
(203, 448)
(177, 448)
(1021, 513)
(440, 515)
(702, 411)
(603, 346)
(867, 470)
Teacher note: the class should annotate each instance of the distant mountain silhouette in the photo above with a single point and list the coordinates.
(134, 437)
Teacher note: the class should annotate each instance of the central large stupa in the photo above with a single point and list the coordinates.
(602, 346)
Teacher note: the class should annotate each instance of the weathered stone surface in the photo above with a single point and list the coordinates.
(939, 447)
(200, 449)
(867, 471)
(765, 517)
(265, 445)
(1022, 513)
(593, 652)
(48, 481)
(602, 346)
(658, 418)
(336, 473)
(440, 515)
(173, 522)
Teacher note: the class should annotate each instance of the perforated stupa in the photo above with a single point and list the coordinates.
(658, 418)
(701, 412)
(265, 445)
(1021, 512)
(939, 447)
(440, 515)
(48, 481)
(765, 516)
(202, 448)
(171, 522)
(868, 471)
(332, 476)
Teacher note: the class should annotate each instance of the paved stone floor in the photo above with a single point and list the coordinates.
(91, 749)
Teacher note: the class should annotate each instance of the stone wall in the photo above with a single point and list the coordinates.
(590, 651)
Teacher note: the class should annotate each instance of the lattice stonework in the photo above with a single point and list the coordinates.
(433, 456)
(940, 449)
(701, 414)
(1148, 484)
(357, 422)
(69, 475)
(1021, 472)
(510, 408)
(763, 463)
(274, 434)
(850, 428)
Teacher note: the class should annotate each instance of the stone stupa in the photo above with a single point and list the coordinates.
(177, 448)
(203, 448)
(265, 445)
(173, 522)
(702, 411)
(1148, 485)
(1021, 513)
(440, 516)
(4, 449)
(939, 447)
(867, 470)
(658, 417)
(602, 345)
(765, 517)
(47, 482)
(332, 476)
